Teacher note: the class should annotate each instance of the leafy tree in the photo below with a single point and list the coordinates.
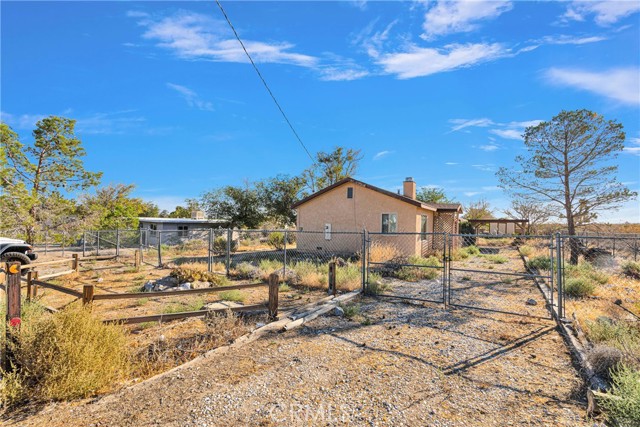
(239, 205)
(180, 212)
(277, 195)
(533, 212)
(112, 207)
(43, 173)
(432, 195)
(150, 209)
(478, 210)
(570, 166)
(330, 168)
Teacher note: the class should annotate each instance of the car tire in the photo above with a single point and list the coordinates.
(16, 256)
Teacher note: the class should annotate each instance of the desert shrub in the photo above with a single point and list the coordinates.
(276, 240)
(197, 272)
(604, 358)
(424, 272)
(376, 286)
(66, 355)
(621, 335)
(192, 245)
(246, 270)
(622, 403)
(284, 287)
(349, 277)
(308, 274)
(220, 245)
(495, 241)
(382, 252)
(631, 269)
(232, 295)
(586, 271)
(459, 254)
(351, 309)
(526, 250)
(472, 250)
(579, 287)
(539, 263)
(496, 259)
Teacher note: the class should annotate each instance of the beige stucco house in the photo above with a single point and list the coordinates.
(350, 205)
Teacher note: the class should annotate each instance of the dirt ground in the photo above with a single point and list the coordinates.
(393, 363)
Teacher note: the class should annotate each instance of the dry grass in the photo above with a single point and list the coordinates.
(191, 272)
(165, 353)
(382, 252)
(66, 355)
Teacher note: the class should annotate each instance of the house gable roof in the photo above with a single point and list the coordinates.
(438, 207)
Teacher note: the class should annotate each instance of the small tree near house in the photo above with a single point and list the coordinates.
(570, 168)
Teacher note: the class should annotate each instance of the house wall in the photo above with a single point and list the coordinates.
(363, 211)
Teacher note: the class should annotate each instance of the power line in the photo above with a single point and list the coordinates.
(264, 82)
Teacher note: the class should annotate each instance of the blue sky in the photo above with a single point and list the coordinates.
(165, 98)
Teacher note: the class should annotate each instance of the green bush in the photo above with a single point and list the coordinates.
(350, 309)
(496, 259)
(276, 240)
(424, 272)
(220, 245)
(622, 402)
(618, 334)
(540, 263)
(579, 287)
(246, 270)
(587, 271)
(195, 272)
(67, 355)
(376, 286)
(232, 295)
(631, 269)
(471, 250)
(526, 250)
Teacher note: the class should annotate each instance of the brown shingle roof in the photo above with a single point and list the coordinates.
(441, 207)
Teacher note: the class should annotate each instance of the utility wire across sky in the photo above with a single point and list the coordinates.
(264, 82)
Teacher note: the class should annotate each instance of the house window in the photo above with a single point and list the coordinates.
(153, 227)
(183, 230)
(424, 221)
(390, 223)
(349, 192)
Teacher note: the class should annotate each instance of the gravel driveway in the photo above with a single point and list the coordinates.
(398, 364)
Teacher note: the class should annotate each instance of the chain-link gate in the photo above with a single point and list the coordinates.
(407, 266)
(511, 274)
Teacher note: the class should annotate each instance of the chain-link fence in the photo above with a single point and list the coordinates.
(502, 273)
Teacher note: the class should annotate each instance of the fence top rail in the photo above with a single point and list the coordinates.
(406, 233)
(599, 237)
(164, 294)
(505, 236)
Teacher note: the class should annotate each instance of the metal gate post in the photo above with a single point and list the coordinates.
(209, 260)
(560, 278)
(445, 269)
(552, 256)
(98, 240)
(364, 260)
(117, 243)
(228, 254)
(284, 269)
(159, 235)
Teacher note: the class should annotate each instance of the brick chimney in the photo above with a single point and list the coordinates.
(409, 188)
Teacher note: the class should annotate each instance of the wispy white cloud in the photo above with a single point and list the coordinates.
(604, 13)
(421, 61)
(194, 36)
(510, 130)
(191, 97)
(117, 122)
(567, 39)
(634, 147)
(382, 154)
(465, 123)
(448, 17)
(451, 163)
(618, 84)
(489, 147)
(472, 193)
(491, 188)
(490, 167)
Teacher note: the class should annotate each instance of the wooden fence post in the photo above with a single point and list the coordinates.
(332, 278)
(273, 296)
(87, 294)
(76, 262)
(136, 259)
(34, 286)
(13, 308)
(29, 284)
(13, 292)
